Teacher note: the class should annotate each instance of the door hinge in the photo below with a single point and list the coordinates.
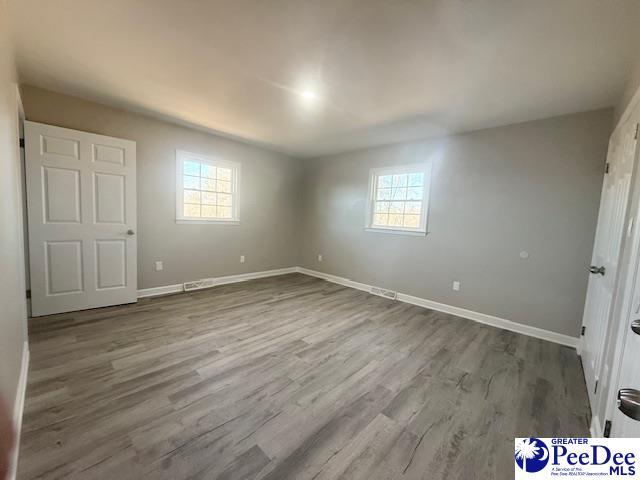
(607, 429)
(606, 167)
(28, 294)
(635, 137)
(21, 143)
(595, 389)
(582, 330)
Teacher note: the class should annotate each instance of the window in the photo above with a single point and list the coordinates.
(398, 199)
(206, 189)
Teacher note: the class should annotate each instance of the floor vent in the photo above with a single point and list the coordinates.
(384, 293)
(199, 284)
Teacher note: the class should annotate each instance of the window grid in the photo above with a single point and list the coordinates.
(398, 200)
(207, 189)
(207, 194)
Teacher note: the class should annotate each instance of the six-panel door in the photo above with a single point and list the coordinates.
(81, 200)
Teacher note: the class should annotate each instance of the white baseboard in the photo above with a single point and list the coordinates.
(242, 277)
(335, 279)
(18, 409)
(460, 312)
(594, 429)
(164, 290)
(403, 297)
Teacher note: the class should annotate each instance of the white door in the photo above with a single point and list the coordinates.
(81, 201)
(606, 253)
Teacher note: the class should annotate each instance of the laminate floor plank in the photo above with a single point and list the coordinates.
(288, 377)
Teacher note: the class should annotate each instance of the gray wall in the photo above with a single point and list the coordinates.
(533, 186)
(269, 190)
(13, 313)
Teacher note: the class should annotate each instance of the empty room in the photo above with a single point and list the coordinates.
(341, 239)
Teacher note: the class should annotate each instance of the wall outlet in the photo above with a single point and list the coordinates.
(241, 258)
(159, 266)
(456, 286)
(319, 257)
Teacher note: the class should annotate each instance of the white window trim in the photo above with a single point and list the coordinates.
(181, 155)
(412, 168)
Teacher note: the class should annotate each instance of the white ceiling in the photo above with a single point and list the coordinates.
(384, 70)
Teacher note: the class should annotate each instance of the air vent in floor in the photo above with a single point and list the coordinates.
(384, 293)
(199, 284)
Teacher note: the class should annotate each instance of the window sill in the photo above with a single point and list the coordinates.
(412, 233)
(184, 221)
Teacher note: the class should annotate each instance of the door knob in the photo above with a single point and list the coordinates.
(595, 270)
(629, 402)
(635, 326)
(130, 232)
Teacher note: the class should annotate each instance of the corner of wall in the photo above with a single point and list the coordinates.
(18, 409)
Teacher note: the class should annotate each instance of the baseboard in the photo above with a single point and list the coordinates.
(403, 297)
(242, 277)
(594, 429)
(164, 290)
(18, 409)
(460, 312)
(335, 279)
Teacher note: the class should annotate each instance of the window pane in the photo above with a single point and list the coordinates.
(191, 168)
(412, 221)
(395, 220)
(416, 179)
(399, 194)
(191, 196)
(208, 211)
(208, 184)
(413, 208)
(224, 174)
(382, 207)
(191, 182)
(223, 212)
(400, 180)
(385, 181)
(396, 207)
(208, 198)
(208, 171)
(223, 186)
(383, 194)
(414, 193)
(208, 188)
(191, 210)
(380, 219)
(224, 200)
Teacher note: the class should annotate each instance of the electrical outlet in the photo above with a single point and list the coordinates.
(159, 266)
(319, 257)
(456, 286)
(241, 258)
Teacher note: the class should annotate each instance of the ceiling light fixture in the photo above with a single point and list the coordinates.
(308, 95)
(309, 98)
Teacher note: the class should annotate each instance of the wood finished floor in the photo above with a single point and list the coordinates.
(288, 377)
